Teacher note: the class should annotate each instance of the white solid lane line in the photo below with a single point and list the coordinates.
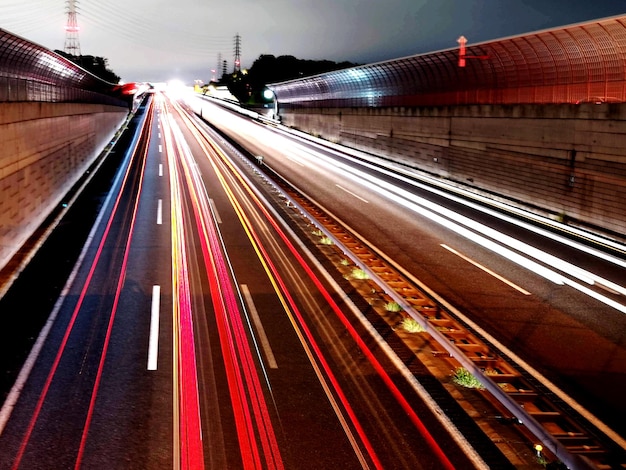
(352, 194)
(153, 345)
(218, 219)
(265, 344)
(487, 270)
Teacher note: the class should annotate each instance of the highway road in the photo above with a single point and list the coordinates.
(200, 329)
(197, 332)
(548, 294)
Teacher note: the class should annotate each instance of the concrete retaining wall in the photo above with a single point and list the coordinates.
(568, 160)
(45, 148)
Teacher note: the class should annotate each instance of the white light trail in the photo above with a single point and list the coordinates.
(477, 232)
(508, 247)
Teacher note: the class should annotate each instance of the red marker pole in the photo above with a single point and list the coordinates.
(462, 41)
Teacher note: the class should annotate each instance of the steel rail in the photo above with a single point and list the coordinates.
(562, 431)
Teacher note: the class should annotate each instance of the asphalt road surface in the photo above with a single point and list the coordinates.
(193, 333)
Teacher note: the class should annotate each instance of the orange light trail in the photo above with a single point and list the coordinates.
(293, 311)
(83, 294)
(328, 296)
(249, 406)
(188, 452)
(290, 306)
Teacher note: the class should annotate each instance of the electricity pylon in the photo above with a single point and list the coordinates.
(72, 44)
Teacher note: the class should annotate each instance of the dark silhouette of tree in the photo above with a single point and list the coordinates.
(99, 66)
(268, 68)
(248, 87)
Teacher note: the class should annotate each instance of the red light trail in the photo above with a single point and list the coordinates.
(78, 307)
(346, 322)
(257, 439)
(188, 442)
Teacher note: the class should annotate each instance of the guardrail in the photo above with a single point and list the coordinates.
(565, 433)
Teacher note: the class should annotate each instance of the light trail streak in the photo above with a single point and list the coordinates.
(342, 153)
(235, 383)
(118, 293)
(458, 224)
(249, 401)
(249, 405)
(313, 351)
(13, 396)
(592, 251)
(74, 317)
(422, 207)
(283, 293)
(188, 453)
(550, 260)
(362, 345)
(306, 337)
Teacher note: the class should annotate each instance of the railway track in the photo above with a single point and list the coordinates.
(556, 430)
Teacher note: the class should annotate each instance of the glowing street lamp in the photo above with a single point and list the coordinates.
(269, 95)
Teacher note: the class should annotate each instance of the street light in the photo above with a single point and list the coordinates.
(269, 95)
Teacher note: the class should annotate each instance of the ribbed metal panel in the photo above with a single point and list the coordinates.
(29, 72)
(578, 63)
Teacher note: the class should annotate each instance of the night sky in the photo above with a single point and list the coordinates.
(159, 40)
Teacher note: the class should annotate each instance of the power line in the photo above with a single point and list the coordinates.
(141, 28)
(40, 14)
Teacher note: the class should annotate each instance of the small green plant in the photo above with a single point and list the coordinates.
(393, 307)
(345, 262)
(326, 241)
(411, 325)
(465, 378)
(317, 233)
(541, 460)
(358, 273)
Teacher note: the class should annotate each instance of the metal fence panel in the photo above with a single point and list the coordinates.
(29, 72)
(578, 63)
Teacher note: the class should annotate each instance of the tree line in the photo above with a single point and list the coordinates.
(248, 85)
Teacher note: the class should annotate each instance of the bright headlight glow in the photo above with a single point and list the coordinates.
(175, 84)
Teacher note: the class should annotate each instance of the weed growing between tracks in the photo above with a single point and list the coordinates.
(466, 379)
(411, 325)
